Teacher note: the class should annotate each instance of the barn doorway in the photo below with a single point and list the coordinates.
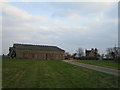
(46, 57)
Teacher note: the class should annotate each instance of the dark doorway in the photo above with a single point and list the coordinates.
(46, 57)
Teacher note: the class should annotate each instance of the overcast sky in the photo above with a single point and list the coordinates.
(68, 25)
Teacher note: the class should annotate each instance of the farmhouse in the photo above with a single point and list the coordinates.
(92, 53)
(40, 52)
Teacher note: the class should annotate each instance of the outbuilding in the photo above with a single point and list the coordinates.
(39, 52)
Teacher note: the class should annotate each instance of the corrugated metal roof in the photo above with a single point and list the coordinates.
(37, 47)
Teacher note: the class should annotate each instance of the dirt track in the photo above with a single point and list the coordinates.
(98, 68)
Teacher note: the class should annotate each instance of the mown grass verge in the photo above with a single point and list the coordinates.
(102, 63)
(24, 73)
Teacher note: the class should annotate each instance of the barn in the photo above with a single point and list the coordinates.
(40, 52)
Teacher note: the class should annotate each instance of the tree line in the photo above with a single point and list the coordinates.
(111, 54)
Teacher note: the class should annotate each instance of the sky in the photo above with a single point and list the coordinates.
(68, 25)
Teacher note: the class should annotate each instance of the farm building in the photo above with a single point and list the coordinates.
(93, 53)
(36, 52)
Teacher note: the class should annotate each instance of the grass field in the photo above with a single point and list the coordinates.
(103, 63)
(21, 73)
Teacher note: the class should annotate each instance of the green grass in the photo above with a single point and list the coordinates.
(21, 73)
(103, 63)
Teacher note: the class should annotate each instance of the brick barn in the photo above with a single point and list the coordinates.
(40, 52)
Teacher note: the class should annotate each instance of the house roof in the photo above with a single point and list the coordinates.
(37, 47)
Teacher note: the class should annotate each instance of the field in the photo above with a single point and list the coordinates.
(103, 63)
(21, 73)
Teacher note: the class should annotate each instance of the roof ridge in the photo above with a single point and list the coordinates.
(34, 45)
(37, 47)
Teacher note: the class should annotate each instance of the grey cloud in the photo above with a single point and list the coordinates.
(84, 31)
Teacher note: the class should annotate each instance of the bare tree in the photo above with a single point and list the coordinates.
(102, 56)
(109, 50)
(117, 51)
(67, 55)
(74, 55)
(80, 52)
(113, 52)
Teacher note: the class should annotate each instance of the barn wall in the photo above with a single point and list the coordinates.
(42, 55)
